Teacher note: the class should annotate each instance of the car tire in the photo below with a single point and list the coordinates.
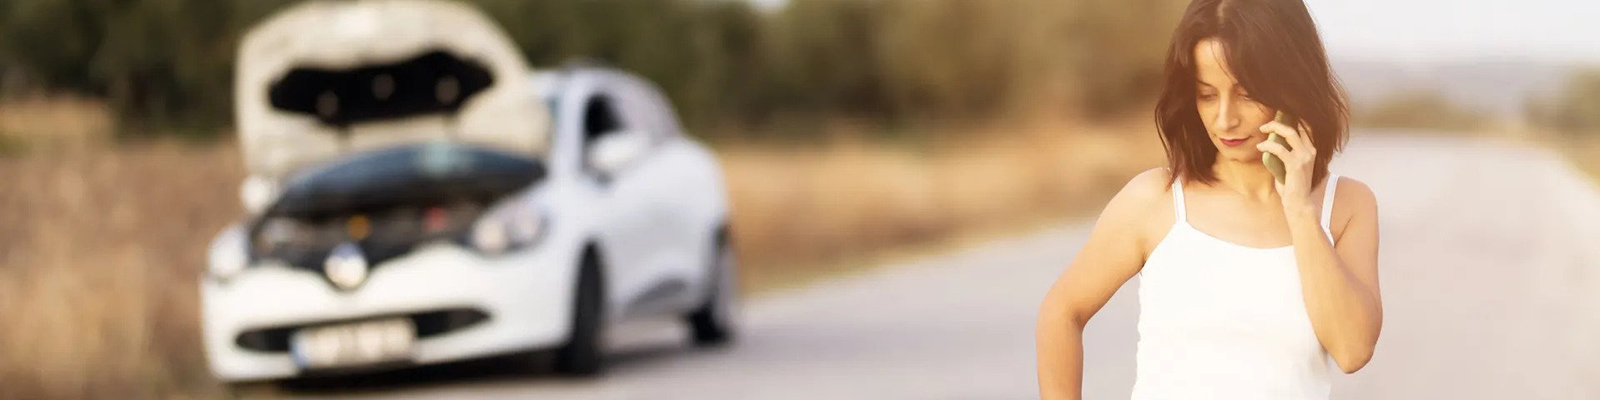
(714, 322)
(583, 353)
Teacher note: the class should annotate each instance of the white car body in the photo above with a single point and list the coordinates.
(637, 200)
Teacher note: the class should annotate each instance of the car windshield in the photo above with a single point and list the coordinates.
(413, 175)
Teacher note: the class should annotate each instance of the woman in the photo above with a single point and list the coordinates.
(1251, 288)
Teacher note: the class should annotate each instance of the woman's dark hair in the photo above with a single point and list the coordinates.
(1272, 48)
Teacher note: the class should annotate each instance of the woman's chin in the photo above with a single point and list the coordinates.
(1240, 155)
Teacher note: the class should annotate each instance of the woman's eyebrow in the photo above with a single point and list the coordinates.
(1203, 83)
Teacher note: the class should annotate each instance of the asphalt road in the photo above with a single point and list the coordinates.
(1490, 266)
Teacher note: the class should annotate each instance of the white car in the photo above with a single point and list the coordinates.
(417, 195)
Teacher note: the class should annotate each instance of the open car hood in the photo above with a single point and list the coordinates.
(326, 79)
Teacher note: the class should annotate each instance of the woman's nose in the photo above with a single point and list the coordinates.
(1227, 118)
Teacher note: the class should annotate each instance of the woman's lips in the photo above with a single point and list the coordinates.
(1235, 142)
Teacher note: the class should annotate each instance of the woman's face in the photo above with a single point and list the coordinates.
(1233, 119)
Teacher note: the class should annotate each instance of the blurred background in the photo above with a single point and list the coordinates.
(853, 134)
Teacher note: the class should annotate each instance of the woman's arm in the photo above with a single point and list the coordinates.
(1112, 255)
(1340, 281)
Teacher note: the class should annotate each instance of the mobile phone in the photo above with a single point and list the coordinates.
(1273, 163)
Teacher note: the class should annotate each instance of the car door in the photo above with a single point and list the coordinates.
(627, 207)
(680, 226)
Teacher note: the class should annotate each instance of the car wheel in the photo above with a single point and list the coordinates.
(582, 355)
(714, 322)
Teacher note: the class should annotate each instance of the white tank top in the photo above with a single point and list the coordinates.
(1220, 320)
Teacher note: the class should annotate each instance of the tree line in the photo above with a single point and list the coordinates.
(165, 66)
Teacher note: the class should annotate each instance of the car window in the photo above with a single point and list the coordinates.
(646, 107)
(599, 118)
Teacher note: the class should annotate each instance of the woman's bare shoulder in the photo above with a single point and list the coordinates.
(1353, 200)
(1141, 210)
(1355, 196)
(1141, 199)
(1149, 186)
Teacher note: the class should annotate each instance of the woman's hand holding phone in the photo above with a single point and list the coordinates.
(1290, 158)
(1273, 163)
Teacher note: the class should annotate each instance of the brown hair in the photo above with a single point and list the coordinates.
(1273, 49)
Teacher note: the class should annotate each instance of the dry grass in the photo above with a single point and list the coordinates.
(54, 121)
(101, 251)
(101, 245)
(797, 210)
(1584, 151)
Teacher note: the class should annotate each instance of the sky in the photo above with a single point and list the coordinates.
(1427, 30)
(1449, 30)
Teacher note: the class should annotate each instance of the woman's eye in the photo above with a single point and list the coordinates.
(1208, 97)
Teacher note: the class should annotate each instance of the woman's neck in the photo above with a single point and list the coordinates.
(1248, 179)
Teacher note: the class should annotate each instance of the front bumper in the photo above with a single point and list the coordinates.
(526, 297)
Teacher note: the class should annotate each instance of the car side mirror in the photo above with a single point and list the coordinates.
(614, 151)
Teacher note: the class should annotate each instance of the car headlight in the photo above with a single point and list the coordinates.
(278, 233)
(510, 226)
(229, 253)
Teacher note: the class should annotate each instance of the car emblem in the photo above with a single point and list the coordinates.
(345, 266)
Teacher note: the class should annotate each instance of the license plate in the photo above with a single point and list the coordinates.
(353, 344)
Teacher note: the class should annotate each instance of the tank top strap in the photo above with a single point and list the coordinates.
(1177, 201)
(1327, 205)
